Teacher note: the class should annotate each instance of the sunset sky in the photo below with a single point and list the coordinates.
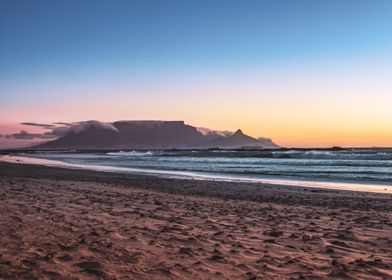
(304, 73)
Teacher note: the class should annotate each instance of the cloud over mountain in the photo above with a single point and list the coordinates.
(56, 130)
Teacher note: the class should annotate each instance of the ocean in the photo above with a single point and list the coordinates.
(294, 167)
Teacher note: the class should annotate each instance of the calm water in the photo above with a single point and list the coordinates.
(352, 166)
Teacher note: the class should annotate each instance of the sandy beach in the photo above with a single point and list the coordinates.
(74, 224)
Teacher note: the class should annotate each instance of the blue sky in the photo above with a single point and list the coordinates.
(61, 39)
(53, 51)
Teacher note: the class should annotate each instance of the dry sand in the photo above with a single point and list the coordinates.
(72, 224)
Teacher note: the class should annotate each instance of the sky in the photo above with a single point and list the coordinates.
(304, 73)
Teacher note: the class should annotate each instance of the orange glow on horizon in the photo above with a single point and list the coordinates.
(296, 108)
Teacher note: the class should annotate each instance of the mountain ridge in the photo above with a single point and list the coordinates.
(155, 134)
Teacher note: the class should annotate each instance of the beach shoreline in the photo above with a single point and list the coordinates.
(80, 224)
(190, 175)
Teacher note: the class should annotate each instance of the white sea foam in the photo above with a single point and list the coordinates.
(130, 154)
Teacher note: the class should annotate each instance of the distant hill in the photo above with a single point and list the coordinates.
(237, 140)
(150, 135)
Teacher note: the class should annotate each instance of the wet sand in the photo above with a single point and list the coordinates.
(73, 224)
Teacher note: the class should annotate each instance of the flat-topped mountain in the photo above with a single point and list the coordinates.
(149, 135)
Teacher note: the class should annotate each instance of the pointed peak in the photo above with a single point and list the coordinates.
(238, 132)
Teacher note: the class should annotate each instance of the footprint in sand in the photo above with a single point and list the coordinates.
(91, 267)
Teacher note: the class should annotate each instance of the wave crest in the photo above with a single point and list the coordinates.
(130, 154)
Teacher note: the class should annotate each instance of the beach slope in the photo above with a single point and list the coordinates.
(77, 224)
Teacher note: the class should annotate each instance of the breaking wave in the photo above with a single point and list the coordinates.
(130, 154)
